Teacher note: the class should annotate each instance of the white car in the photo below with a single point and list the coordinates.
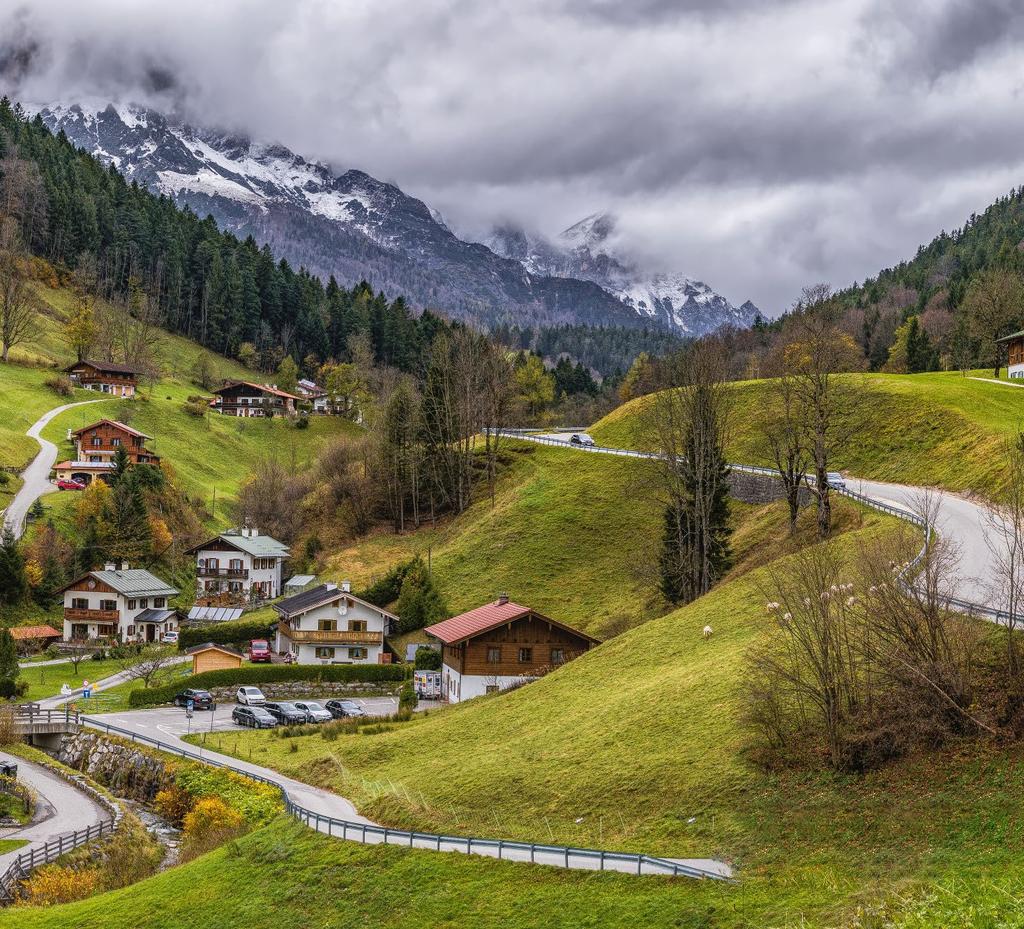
(250, 696)
(169, 638)
(836, 480)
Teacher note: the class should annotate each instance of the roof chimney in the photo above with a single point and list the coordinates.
(330, 585)
(346, 587)
(502, 599)
(110, 566)
(124, 565)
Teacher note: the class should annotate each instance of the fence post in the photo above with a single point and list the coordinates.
(602, 860)
(639, 863)
(567, 856)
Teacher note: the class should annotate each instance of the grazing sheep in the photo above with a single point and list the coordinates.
(708, 631)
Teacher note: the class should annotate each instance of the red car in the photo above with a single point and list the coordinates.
(70, 485)
(259, 650)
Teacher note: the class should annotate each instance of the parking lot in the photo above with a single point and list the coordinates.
(172, 720)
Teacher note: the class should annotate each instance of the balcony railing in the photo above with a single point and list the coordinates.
(77, 615)
(331, 637)
(236, 573)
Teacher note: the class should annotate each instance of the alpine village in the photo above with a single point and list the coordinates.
(366, 566)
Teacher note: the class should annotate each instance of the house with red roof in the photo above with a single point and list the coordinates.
(501, 644)
(244, 398)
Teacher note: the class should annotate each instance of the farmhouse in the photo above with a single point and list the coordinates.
(104, 376)
(243, 398)
(101, 440)
(328, 625)
(1014, 354)
(501, 644)
(128, 604)
(240, 562)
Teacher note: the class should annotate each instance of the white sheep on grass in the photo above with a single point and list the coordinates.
(708, 632)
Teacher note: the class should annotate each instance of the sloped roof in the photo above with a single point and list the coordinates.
(319, 595)
(259, 546)
(213, 646)
(115, 424)
(34, 632)
(109, 367)
(153, 616)
(490, 616)
(266, 388)
(135, 582)
(1012, 335)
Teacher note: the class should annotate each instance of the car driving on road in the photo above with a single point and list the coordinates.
(200, 699)
(581, 438)
(250, 696)
(287, 714)
(836, 480)
(339, 709)
(255, 717)
(315, 712)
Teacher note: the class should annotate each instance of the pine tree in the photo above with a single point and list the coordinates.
(420, 603)
(9, 670)
(13, 582)
(122, 464)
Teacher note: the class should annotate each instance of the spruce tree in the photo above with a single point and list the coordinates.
(13, 582)
(9, 670)
(420, 603)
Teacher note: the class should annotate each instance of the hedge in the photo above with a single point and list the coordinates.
(268, 674)
(226, 633)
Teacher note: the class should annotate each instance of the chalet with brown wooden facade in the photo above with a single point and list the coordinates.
(107, 377)
(96, 446)
(502, 644)
(1014, 345)
(243, 398)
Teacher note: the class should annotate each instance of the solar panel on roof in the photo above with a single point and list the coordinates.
(214, 614)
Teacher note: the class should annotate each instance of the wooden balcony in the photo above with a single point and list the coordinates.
(336, 637)
(90, 616)
(237, 574)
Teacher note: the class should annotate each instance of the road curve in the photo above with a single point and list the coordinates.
(61, 809)
(37, 475)
(965, 522)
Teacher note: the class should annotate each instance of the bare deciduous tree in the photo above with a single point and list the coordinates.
(993, 304)
(18, 308)
(149, 665)
(783, 427)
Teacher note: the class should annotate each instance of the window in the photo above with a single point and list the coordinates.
(160, 601)
(116, 443)
(97, 441)
(357, 625)
(108, 604)
(131, 604)
(144, 602)
(493, 654)
(325, 653)
(326, 625)
(525, 655)
(79, 603)
(557, 656)
(131, 630)
(357, 653)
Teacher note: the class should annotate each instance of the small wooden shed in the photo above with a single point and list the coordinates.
(212, 657)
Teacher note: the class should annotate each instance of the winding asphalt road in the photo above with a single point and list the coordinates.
(61, 809)
(37, 475)
(964, 522)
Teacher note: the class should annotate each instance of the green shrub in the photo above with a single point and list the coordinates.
(229, 633)
(269, 674)
(407, 698)
(5, 478)
(427, 659)
(386, 589)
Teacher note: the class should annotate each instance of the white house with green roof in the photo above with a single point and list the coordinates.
(240, 562)
(119, 602)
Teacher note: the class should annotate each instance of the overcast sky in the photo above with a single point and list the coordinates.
(758, 146)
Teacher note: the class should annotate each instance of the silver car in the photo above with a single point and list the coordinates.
(315, 712)
(250, 696)
(836, 480)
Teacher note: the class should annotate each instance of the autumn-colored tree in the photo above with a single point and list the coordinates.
(287, 376)
(535, 387)
(80, 328)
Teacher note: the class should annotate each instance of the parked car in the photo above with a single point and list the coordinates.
(836, 480)
(70, 485)
(169, 638)
(288, 714)
(339, 709)
(255, 717)
(581, 438)
(259, 650)
(315, 712)
(200, 699)
(250, 696)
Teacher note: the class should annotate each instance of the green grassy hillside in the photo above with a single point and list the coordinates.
(210, 454)
(941, 430)
(569, 534)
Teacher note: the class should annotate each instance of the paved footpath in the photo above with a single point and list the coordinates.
(61, 809)
(37, 475)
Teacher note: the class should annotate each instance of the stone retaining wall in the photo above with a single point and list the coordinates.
(292, 690)
(760, 488)
(123, 769)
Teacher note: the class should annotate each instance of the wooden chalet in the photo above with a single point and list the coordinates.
(243, 398)
(105, 376)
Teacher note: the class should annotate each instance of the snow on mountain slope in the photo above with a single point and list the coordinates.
(355, 227)
(583, 251)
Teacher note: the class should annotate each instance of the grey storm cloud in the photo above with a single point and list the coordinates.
(759, 146)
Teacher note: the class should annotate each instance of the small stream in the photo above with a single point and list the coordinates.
(167, 835)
